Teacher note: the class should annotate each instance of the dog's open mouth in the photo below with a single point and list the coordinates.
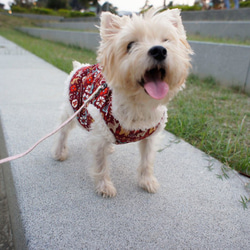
(153, 83)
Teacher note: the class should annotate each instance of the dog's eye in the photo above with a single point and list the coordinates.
(165, 40)
(130, 46)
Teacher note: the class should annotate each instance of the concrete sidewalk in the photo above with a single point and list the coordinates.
(53, 205)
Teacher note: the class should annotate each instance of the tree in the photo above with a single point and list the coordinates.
(42, 3)
(84, 4)
(57, 4)
(24, 3)
(164, 4)
(109, 7)
(75, 5)
(146, 7)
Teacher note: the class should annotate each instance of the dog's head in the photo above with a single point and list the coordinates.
(145, 56)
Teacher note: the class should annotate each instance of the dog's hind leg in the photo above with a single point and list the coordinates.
(60, 149)
(146, 176)
(100, 173)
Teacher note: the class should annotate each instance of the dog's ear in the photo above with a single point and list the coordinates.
(110, 24)
(175, 18)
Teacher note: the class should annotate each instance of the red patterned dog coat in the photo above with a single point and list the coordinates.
(83, 83)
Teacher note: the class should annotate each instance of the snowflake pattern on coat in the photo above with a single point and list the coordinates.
(82, 85)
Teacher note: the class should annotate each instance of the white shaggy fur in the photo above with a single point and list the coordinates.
(124, 57)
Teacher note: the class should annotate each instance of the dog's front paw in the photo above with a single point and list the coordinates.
(149, 183)
(106, 189)
(60, 153)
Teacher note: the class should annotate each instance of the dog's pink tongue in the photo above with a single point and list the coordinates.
(156, 89)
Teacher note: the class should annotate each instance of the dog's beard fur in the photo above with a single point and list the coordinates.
(128, 65)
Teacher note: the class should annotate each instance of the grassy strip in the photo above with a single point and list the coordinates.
(8, 22)
(210, 117)
(55, 53)
(218, 40)
(214, 119)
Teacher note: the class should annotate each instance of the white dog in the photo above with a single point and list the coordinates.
(144, 61)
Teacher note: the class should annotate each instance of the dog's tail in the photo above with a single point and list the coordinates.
(76, 64)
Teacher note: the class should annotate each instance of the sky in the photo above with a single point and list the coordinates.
(129, 5)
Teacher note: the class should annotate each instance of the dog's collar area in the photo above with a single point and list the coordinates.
(94, 81)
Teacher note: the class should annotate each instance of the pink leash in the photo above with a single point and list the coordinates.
(97, 91)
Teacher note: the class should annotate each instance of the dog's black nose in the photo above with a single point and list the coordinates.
(159, 53)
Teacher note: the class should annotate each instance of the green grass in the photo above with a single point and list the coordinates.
(212, 118)
(218, 40)
(55, 53)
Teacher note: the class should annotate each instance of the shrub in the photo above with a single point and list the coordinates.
(245, 4)
(89, 14)
(69, 13)
(42, 11)
(64, 12)
(57, 4)
(18, 9)
(80, 14)
(75, 14)
(187, 7)
(46, 11)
